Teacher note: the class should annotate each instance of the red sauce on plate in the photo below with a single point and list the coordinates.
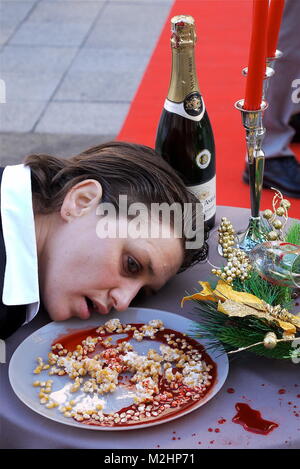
(176, 398)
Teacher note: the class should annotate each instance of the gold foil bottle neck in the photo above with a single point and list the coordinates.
(183, 31)
(183, 76)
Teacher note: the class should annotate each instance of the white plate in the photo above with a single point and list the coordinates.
(38, 344)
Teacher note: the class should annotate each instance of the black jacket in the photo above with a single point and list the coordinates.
(11, 317)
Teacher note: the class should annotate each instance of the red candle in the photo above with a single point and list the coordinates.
(274, 21)
(257, 56)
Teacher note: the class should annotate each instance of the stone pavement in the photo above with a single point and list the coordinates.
(71, 69)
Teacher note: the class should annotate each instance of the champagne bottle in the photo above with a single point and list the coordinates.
(184, 136)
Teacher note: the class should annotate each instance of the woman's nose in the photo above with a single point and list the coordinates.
(123, 296)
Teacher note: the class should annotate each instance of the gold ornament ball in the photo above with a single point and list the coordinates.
(280, 211)
(270, 340)
(268, 214)
(277, 224)
(285, 203)
(272, 235)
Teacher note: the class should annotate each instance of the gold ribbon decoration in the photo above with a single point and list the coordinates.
(241, 304)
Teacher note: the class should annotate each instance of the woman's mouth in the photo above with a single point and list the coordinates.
(83, 312)
(95, 306)
(90, 304)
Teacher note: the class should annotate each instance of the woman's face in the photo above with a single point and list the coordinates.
(80, 273)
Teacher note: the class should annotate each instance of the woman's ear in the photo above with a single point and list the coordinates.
(81, 198)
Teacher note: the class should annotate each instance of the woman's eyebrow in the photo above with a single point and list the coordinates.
(153, 274)
(150, 268)
(144, 256)
(147, 262)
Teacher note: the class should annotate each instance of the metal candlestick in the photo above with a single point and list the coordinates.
(252, 122)
(268, 74)
(270, 65)
(271, 60)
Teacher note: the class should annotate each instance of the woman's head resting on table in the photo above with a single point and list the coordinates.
(83, 265)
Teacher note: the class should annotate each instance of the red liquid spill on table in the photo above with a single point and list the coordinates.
(252, 420)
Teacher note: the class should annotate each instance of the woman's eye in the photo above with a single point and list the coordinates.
(133, 266)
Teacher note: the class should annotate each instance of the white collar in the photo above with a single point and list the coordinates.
(21, 271)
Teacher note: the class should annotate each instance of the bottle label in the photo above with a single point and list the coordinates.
(206, 193)
(192, 107)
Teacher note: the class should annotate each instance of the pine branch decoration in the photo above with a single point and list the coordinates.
(293, 234)
(234, 333)
(234, 328)
(271, 294)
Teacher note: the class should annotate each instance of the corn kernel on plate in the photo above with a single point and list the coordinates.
(119, 372)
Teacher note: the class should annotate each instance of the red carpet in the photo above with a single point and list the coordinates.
(223, 31)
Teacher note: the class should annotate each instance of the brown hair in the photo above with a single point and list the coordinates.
(121, 168)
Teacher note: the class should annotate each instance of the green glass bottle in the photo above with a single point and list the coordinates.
(184, 136)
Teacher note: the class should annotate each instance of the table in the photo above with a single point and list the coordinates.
(256, 381)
